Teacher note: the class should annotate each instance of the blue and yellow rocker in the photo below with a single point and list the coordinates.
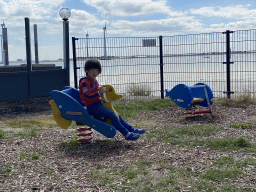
(187, 97)
(67, 107)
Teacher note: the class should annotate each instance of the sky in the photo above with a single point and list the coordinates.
(123, 18)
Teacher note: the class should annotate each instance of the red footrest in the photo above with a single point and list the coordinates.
(198, 112)
(84, 129)
(83, 140)
(79, 124)
(84, 134)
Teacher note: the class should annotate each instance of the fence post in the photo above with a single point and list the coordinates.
(5, 47)
(28, 47)
(74, 60)
(36, 44)
(228, 52)
(161, 66)
(28, 53)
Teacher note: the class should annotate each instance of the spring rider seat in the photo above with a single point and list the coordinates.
(187, 97)
(67, 107)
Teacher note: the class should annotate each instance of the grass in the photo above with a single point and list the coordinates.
(221, 174)
(168, 133)
(155, 174)
(130, 110)
(243, 100)
(141, 177)
(191, 137)
(42, 122)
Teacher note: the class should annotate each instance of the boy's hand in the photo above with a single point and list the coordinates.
(103, 89)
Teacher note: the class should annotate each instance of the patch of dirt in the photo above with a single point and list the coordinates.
(61, 169)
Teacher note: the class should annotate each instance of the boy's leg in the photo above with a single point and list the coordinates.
(98, 109)
(129, 127)
(125, 124)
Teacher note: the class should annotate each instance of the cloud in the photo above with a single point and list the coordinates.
(81, 17)
(28, 8)
(235, 12)
(130, 7)
(169, 26)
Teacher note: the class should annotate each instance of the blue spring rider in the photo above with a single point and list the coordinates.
(67, 107)
(189, 96)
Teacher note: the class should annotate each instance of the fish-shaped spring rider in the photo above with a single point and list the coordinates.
(189, 96)
(67, 107)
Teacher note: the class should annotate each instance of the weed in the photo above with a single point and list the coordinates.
(5, 169)
(233, 189)
(2, 134)
(129, 172)
(71, 144)
(203, 186)
(244, 100)
(227, 144)
(139, 90)
(27, 133)
(22, 155)
(34, 156)
(72, 190)
(241, 142)
(108, 142)
(221, 174)
(224, 162)
(241, 125)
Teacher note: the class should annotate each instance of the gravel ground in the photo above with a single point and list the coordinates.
(61, 169)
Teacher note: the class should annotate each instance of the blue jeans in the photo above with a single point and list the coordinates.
(98, 109)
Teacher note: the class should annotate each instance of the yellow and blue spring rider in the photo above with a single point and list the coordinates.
(67, 107)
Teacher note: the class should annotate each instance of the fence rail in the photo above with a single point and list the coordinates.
(146, 66)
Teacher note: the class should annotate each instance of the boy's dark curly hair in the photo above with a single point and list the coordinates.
(92, 64)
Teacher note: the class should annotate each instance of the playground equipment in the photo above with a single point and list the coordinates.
(187, 97)
(67, 107)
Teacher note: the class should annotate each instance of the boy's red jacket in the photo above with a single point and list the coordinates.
(89, 90)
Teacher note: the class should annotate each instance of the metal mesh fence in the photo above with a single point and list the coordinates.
(132, 65)
(243, 54)
(190, 59)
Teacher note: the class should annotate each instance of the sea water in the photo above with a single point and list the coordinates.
(124, 73)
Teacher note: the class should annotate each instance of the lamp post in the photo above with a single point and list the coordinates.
(65, 13)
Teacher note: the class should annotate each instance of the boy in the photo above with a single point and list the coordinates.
(90, 94)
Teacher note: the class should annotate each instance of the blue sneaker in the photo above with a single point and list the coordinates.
(140, 131)
(132, 136)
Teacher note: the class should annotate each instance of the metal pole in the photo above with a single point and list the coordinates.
(228, 62)
(87, 35)
(161, 66)
(74, 60)
(28, 47)
(66, 49)
(2, 39)
(5, 47)
(105, 48)
(36, 44)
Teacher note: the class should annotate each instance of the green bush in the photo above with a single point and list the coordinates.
(139, 90)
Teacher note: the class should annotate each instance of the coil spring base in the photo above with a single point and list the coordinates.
(86, 133)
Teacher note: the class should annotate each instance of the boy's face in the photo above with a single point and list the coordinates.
(92, 73)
